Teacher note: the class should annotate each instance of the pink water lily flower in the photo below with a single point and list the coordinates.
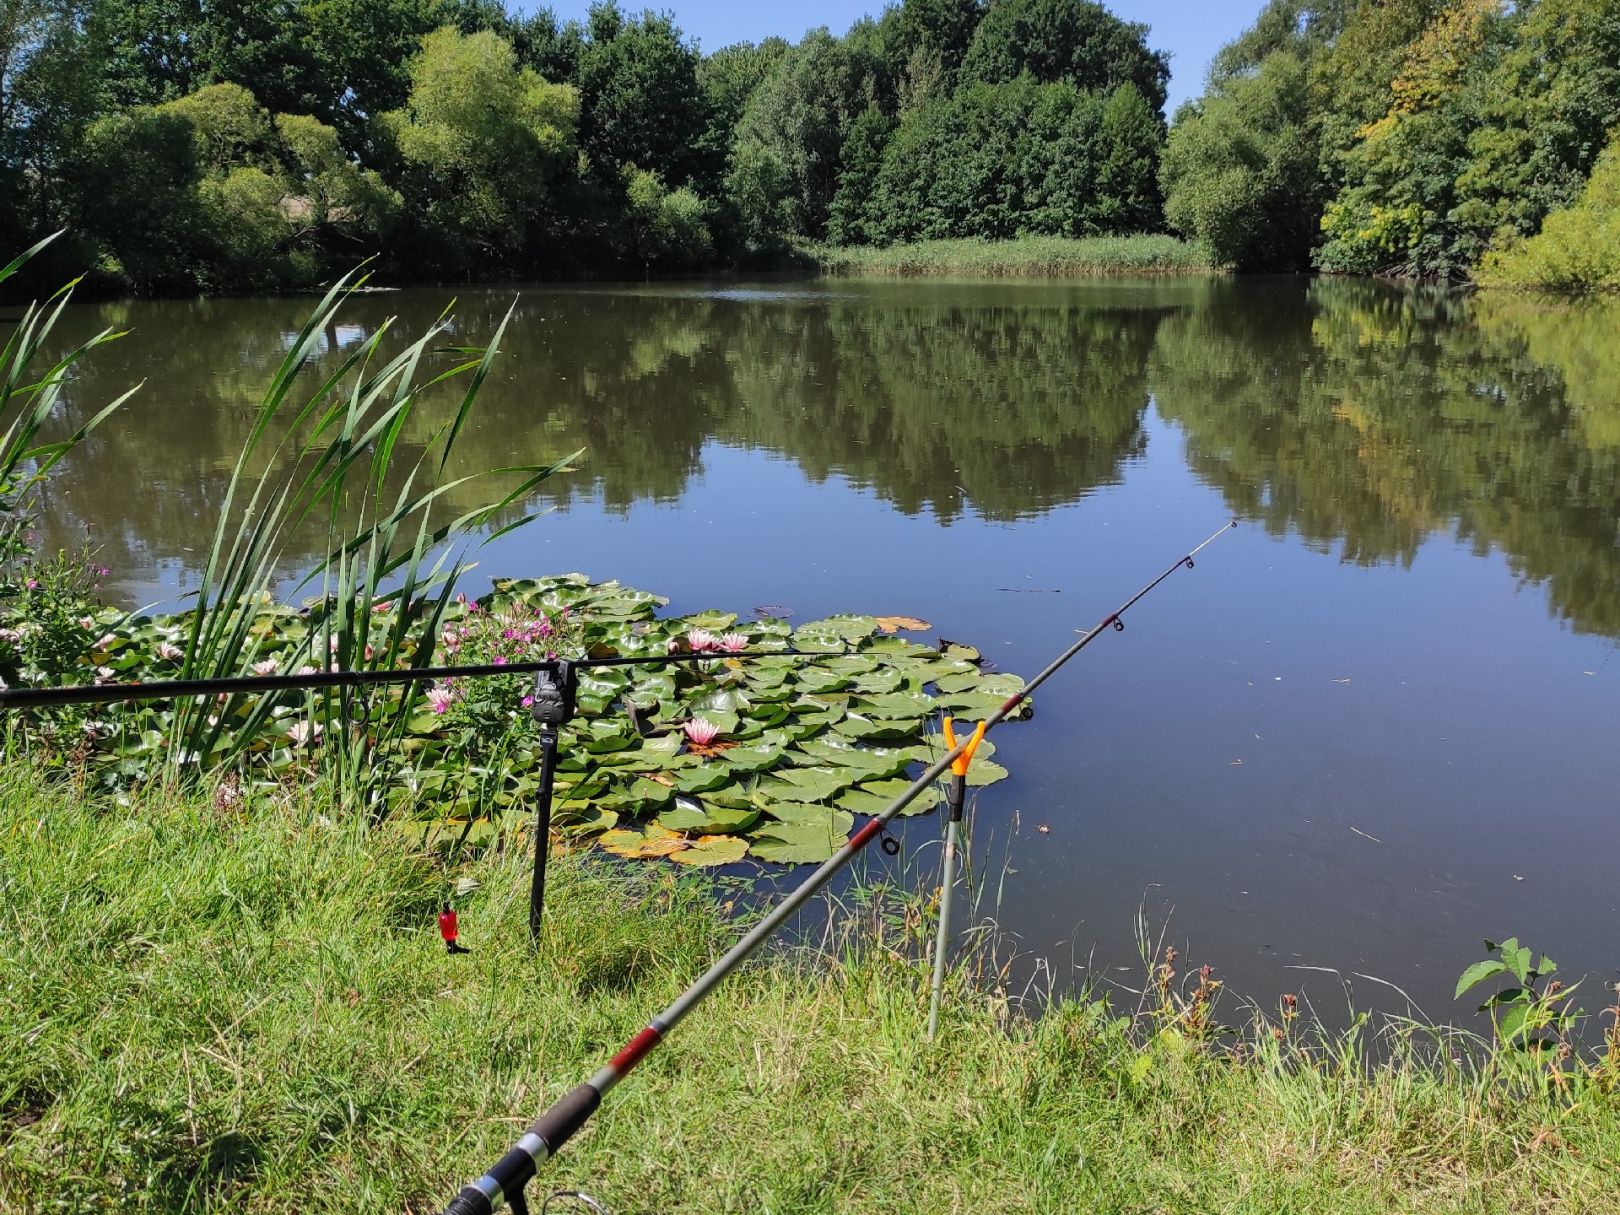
(700, 731)
(169, 652)
(733, 643)
(305, 733)
(268, 667)
(440, 699)
(701, 641)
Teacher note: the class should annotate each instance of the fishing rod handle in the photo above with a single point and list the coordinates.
(544, 1138)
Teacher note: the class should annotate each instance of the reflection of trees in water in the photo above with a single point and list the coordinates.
(1014, 409)
(1376, 416)
(1344, 412)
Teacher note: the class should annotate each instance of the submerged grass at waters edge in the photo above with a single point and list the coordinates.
(249, 1007)
(1025, 257)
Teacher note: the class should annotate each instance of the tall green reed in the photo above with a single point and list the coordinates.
(30, 391)
(333, 451)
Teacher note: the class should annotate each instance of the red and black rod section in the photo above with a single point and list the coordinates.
(547, 1134)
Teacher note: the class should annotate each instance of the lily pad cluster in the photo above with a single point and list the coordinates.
(802, 742)
(772, 752)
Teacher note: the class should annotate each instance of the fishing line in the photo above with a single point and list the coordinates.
(547, 1134)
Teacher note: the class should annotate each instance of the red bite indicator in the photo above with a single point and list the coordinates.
(448, 928)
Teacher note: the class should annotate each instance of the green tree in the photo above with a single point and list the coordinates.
(134, 184)
(1578, 248)
(640, 101)
(1396, 211)
(925, 42)
(787, 158)
(850, 220)
(1077, 41)
(51, 53)
(1548, 106)
(665, 228)
(479, 143)
(1239, 171)
(996, 161)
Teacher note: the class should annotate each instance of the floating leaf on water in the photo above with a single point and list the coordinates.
(878, 729)
(880, 681)
(751, 758)
(955, 649)
(795, 843)
(801, 814)
(874, 797)
(812, 784)
(583, 819)
(892, 624)
(982, 772)
(638, 846)
(710, 850)
(850, 628)
(709, 819)
(702, 778)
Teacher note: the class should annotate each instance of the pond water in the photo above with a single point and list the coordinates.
(1377, 723)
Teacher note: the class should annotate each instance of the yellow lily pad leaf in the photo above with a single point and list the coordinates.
(709, 850)
(638, 847)
(893, 624)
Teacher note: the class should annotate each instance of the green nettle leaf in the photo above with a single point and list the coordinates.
(1477, 974)
(1512, 1024)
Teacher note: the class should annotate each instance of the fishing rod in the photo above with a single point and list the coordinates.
(555, 699)
(179, 689)
(546, 1135)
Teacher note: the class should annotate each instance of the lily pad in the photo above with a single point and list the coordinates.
(640, 846)
(709, 819)
(710, 850)
(795, 843)
(874, 797)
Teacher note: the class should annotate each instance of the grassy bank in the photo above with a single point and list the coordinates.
(1026, 257)
(211, 1006)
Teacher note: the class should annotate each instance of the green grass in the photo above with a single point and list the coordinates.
(249, 1009)
(1026, 257)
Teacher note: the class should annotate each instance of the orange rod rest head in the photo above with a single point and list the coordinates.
(959, 765)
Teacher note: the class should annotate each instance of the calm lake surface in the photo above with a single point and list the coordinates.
(1377, 723)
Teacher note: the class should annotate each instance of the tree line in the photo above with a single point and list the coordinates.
(1428, 138)
(261, 144)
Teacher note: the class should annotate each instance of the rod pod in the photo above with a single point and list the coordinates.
(547, 1134)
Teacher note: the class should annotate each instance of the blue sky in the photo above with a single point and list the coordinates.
(1191, 32)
